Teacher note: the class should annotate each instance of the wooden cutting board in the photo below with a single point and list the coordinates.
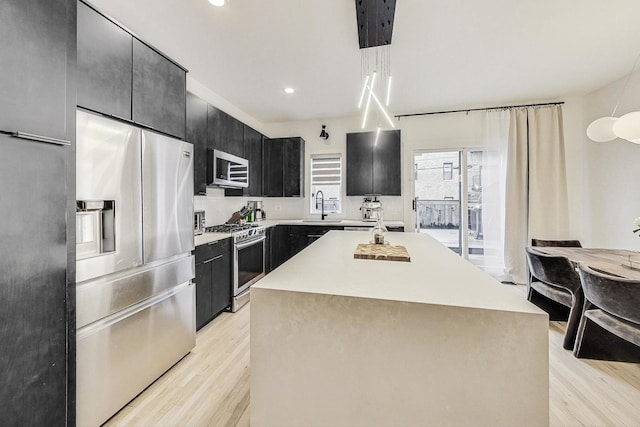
(381, 252)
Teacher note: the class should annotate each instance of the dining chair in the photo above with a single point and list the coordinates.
(613, 304)
(554, 286)
(557, 243)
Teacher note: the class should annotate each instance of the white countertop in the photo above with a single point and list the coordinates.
(203, 239)
(435, 275)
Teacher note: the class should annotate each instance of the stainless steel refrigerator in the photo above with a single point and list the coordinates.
(135, 296)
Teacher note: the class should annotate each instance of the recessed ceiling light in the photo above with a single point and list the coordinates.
(217, 2)
(289, 90)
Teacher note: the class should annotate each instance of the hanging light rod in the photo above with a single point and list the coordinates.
(467, 110)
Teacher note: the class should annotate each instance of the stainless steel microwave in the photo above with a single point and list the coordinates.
(227, 170)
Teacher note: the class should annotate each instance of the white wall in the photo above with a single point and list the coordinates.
(612, 172)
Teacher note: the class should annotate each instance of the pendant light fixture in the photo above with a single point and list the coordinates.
(375, 28)
(627, 127)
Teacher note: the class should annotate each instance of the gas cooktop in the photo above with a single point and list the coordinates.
(239, 232)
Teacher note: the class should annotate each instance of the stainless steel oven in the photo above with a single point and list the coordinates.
(249, 262)
(248, 267)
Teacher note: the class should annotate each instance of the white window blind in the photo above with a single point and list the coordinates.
(326, 176)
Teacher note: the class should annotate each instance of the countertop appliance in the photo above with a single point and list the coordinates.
(371, 208)
(198, 222)
(257, 209)
(226, 170)
(248, 258)
(135, 313)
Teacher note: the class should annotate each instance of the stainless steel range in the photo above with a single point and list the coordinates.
(248, 258)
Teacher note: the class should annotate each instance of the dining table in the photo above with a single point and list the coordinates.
(617, 262)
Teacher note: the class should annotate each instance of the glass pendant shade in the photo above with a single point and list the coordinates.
(601, 130)
(628, 127)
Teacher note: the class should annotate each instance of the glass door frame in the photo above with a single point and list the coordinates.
(463, 185)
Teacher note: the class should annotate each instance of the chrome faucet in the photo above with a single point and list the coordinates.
(318, 193)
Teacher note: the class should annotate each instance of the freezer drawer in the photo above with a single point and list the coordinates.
(121, 355)
(102, 297)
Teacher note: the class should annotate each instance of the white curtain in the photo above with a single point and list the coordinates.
(495, 138)
(532, 197)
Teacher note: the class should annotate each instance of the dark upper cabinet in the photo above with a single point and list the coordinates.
(225, 132)
(359, 164)
(293, 165)
(387, 173)
(374, 167)
(253, 153)
(272, 173)
(159, 91)
(283, 167)
(38, 48)
(104, 64)
(197, 135)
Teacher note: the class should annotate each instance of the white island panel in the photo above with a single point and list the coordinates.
(373, 343)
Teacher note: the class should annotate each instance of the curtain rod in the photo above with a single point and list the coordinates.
(504, 107)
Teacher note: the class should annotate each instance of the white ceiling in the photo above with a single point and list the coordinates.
(444, 54)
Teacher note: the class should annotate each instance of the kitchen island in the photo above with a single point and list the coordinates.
(338, 341)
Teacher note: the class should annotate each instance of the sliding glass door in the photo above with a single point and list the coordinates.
(448, 199)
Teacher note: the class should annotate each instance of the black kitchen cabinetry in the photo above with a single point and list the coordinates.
(253, 153)
(226, 133)
(283, 167)
(121, 76)
(197, 135)
(37, 248)
(213, 280)
(374, 167)
(159, 91)
(104, 64)
(279, 250)
(301, 236)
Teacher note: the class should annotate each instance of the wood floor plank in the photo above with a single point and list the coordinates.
(210, 386)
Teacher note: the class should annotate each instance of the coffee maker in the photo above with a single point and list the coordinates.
(256, 210)
(371, 208)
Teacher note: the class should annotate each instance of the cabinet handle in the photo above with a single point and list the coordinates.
(213, 243)
(213, 259)
(40, 138)
(315, 235)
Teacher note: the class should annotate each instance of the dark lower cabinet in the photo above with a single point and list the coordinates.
(104, 64)
(374, 167)
(159, 91)
(283, 167)
(37, 245)
(213, 280)
(197, 135)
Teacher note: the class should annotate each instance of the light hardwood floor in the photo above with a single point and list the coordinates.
(210, 386)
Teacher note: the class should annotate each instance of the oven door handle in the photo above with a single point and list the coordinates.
(251, 242)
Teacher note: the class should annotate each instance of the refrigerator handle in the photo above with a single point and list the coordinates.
(40, 138)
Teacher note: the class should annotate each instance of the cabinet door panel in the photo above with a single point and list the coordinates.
(204, 310)
(221, 283)
(215, 124)
(33, 300)
(253, 153)
(233, 133)
(37, 49)
(387, 174)
(293, 164)
(197, 135)
(104, 64)
(359, 163)
(159, 91)
(272, 173)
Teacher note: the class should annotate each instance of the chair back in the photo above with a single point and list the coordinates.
(553, 270)
(615, 295)
(557, 243)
